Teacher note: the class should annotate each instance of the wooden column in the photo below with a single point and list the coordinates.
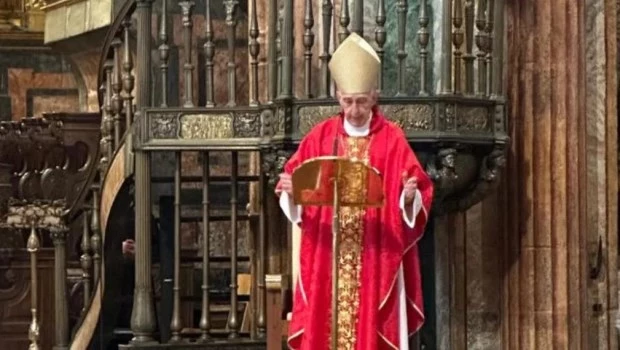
(143, 313)
(562, 176)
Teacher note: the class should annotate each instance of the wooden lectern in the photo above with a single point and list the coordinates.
(338, 182)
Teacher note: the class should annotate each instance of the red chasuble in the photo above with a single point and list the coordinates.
(375, 243)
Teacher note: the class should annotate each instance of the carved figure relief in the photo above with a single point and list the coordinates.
(312, 115)
(163, 126)
(207, 126)
(410, 117)
(247, 125)
(473, 119)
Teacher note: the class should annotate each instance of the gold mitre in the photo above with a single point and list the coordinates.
(355, 65)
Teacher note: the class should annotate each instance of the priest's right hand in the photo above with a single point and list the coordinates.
(286, 183)
(129, 248)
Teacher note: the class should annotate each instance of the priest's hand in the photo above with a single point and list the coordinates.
(129, 248)
(286, 183)
(410, 186)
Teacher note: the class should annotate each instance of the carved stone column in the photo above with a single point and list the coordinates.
(560, 249)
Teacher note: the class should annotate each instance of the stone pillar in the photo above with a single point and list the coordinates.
(562, 176)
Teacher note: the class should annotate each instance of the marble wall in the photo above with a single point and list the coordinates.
(176, 75)
(35, 81)
(412, 47)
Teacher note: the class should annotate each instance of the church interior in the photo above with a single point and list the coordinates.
(141, 141)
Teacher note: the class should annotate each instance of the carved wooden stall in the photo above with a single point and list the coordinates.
(46, 175)
(234, 86)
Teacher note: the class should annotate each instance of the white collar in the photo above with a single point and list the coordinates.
(357, 131)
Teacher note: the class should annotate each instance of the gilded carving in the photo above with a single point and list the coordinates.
(311, 115)
(163, 126)
(473, 119)
(350, 253)
(410, 117)
(47, 215)
(207, 126)
(247, 125)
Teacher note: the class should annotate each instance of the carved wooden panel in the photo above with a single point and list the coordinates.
(15, 300)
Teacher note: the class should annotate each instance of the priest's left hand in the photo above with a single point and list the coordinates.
(410, 186)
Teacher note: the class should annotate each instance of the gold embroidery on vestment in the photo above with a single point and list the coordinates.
(350, 252)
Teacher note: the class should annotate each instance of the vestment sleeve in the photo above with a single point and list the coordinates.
(304, 151)
(414, 210)
(424, 194)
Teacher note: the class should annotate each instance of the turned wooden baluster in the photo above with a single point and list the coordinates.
(423, 36)
(488, 29)
(272, 51)
(308, 43)
(254, 50)
(287, 50)
(358, 17)
(209, 49)
(205, 317)
(231, 24)
(116, 89)
(401, 10)
(233, 323)
(469, 43)
(128, 78)
(345, 19)
(278, 46)
(188, 67)
(176, 325)
(262, 256)
(380, 38)
(163, 52)
(107, 120)
(481, 45)
(457, 41)
(86, 259)
(95, 239)
(446, 48)
(33, 246)
(325, 54)
(498, 44)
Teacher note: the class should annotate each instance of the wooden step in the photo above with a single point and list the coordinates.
(224, 344)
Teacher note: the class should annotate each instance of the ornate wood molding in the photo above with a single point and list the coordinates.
(460, 141)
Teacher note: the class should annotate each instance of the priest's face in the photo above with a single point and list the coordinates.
(357, 107)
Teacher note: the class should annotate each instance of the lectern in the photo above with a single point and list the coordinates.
(337, 182)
